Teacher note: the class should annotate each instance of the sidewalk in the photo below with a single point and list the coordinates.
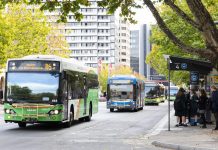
(186, 138)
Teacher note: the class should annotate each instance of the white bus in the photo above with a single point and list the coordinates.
(49, 89)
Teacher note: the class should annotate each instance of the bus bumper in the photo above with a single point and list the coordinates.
(33, 119)
(121, 105)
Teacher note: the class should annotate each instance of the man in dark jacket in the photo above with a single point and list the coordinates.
(214, 98)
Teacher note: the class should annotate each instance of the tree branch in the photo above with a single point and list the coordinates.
(204, 53)
(182, 14)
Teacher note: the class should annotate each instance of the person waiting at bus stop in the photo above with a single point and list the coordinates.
(193, 107)
(202, 106)
(180, 108)
(214, 98)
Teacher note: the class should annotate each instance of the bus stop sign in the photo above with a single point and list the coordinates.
(194, 78)
(178, 66)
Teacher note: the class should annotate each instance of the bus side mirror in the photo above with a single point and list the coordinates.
(1, 94)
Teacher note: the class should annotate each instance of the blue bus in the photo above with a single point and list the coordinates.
(125, 92)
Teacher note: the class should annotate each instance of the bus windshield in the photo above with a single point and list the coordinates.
(153, 91)
(121, 92)
(32, 87)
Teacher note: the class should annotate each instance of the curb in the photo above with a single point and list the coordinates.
(178, 147)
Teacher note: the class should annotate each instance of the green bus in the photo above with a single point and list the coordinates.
(154, 93)
(49, 89)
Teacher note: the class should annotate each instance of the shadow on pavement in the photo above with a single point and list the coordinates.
(45, 127)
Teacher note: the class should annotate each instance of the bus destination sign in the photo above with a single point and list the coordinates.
(33, 65)
(120, 81)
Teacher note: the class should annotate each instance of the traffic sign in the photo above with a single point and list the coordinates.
(194, 78)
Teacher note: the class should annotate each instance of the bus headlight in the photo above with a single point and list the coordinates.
(54, 112)
(10, 111)
(7, 111)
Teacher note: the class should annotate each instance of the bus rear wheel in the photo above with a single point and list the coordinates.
(22, 124)
(111, 109)
(88, 118)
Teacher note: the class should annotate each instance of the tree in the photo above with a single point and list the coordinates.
(200, 18)
(162, 44)
(24, 31)
(103, 76)
(121, 69)
(117, 70)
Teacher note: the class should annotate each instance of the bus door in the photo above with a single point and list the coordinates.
(64, 99)
(85, 94)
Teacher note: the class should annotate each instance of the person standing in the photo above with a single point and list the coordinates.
(208, 111)
(202, 106)
(180, 108)
(188, 114)
(194, 106)
(214, 99)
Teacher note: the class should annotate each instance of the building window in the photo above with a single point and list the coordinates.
(123, 53)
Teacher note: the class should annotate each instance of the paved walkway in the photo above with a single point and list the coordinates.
(186, 138)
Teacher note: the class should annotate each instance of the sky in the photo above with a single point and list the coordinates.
(143, 16)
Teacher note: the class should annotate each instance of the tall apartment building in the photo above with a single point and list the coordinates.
(140, 48)
(122, 41)
(93, 38)
(134, 50)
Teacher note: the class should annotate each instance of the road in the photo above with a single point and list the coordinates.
(107, 131)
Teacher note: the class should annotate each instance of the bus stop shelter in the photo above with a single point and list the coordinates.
(196, 67)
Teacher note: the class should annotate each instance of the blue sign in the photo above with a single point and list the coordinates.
(194, 78)
(184, 66)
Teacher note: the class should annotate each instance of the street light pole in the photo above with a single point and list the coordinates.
(168, 64)
(167, 58)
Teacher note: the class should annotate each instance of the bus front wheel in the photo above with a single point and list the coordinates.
(22, 124)
(71, 119)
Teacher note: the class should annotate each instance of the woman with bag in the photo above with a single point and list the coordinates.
(180, 108)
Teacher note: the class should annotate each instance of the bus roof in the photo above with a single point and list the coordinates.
(66, 63)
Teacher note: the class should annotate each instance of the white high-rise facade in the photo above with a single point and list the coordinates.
(122, 41)
(93, 38)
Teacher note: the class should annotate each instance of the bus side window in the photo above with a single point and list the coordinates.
(69, 81)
